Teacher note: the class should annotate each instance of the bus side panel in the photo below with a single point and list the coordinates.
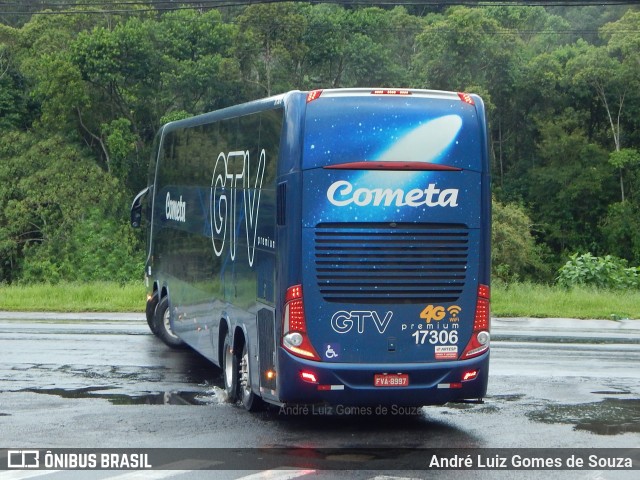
(289, 220)
(215, 213)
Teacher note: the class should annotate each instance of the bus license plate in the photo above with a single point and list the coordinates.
(391, 380)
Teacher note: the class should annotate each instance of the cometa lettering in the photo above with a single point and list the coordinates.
(342, 193)
(176, 209)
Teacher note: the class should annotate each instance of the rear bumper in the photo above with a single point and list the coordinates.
(353, 384)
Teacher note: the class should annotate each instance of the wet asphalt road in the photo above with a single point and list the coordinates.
(103, 381)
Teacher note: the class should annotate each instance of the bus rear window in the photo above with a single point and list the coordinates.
(386, 129)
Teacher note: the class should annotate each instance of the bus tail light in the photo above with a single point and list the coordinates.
(308, 376)
(395, 91)
(313, 95)
(294, 326)
(470, 375)
(480, 337)
(466, 98)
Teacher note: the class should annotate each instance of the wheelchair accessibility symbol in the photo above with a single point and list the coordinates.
(331, 351)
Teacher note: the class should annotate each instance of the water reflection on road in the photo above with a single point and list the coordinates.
(540, 394)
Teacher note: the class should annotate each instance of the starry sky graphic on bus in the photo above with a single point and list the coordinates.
(424, 143)
(350, 195)
(369, 130)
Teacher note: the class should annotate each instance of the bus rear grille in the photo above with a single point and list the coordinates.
(381, 263)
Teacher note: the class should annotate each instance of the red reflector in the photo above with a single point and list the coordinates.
(393, 165)
(455, 385)
(313, 95)
(481, 321)
(466, 98)
(390, 92)
(308, 377)
(293, 293)
(470, 375)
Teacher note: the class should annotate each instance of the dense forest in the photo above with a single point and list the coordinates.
(85, 85)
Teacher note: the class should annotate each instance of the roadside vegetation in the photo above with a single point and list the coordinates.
(543, 301)
(73, 297)
(508, 300)
(84, 88)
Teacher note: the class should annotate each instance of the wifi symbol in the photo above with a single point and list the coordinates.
(454, 310)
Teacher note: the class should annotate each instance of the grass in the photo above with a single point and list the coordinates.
(531, 300)
(74, 297)
(515, 300)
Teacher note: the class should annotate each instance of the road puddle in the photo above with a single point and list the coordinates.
(611, 416)
(150, 398)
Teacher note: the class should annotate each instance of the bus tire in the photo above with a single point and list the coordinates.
(152, 303)
(163, 325)
(230, 369)
(250, 401)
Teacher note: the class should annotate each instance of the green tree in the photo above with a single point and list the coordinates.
(621, 231)
(466, 47)
(369, 57)
(571, 187)
(273, 44)
(87, 92)
(14, 104)
(327, 36)
(623, 44)
(200, 69)
(470, 50)
(624, 159)
(60, 209)
(514, 253)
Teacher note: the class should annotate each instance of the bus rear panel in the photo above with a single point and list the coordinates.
(393, 296)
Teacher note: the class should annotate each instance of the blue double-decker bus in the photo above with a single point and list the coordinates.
(326, 247)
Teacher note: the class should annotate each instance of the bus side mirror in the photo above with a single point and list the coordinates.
(136, 208)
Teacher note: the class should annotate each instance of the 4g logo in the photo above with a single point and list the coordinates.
(438, 312)
(432, 313)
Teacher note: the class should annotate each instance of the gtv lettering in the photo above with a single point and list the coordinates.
(344, 322)
(342, 193)
(224, 201)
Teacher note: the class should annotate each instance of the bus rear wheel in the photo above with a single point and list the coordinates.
(150, 312)
(250, 401)
(230, 369)
(162, 324)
